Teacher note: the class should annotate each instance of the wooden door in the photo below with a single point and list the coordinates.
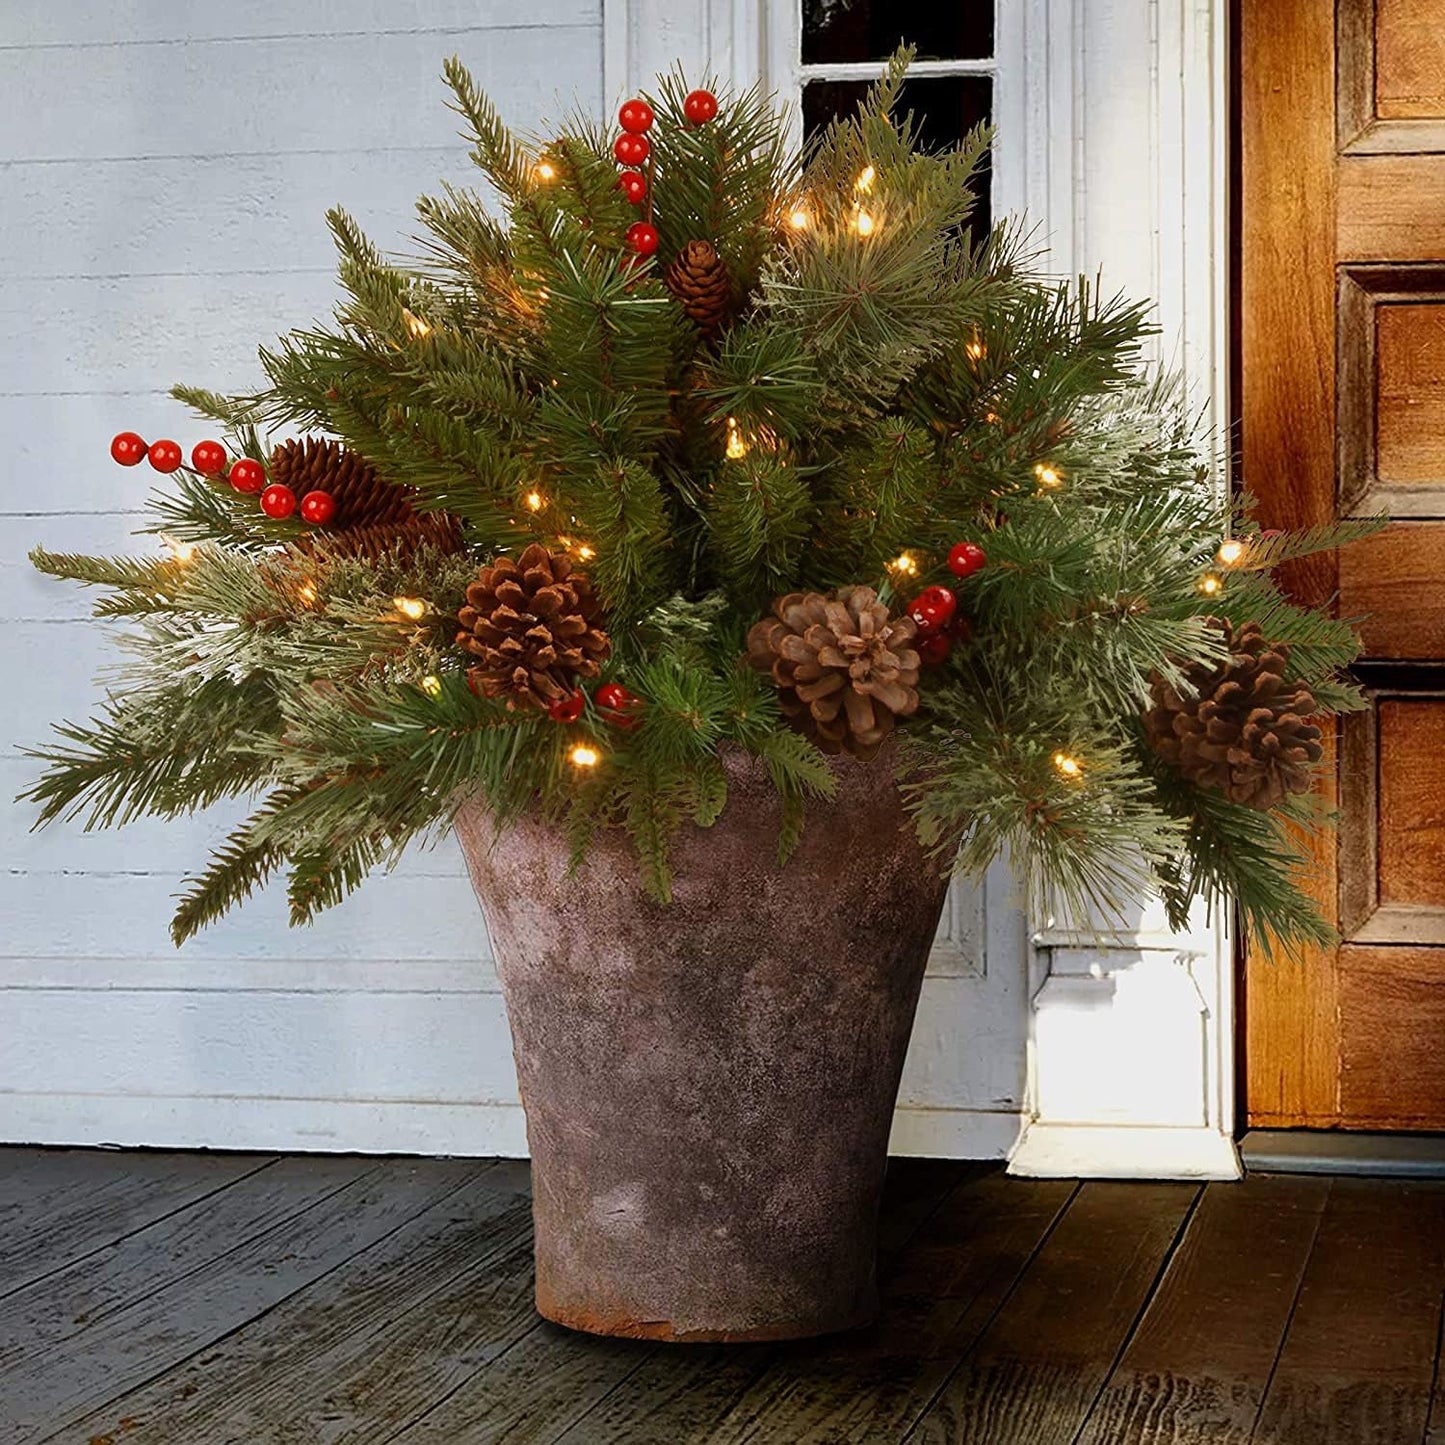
(1342, 396)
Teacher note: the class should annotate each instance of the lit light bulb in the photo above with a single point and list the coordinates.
(535, 501)
(1210, 585)
(180, 551)
(1230, 552)
(865, 180)
(415, 324)
(307, 593)
(584, 757)
(585, 552)
(976, 350)
(904, 564)
(431, 684)
(991, 417)
(546, 171)
(799, 220)
(864, 224)
(737, 447)
(412, 607)
(1067, 766)
(1048, 476)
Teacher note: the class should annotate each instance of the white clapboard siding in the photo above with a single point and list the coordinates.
(160, 232)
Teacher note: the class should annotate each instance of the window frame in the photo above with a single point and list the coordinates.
(785, 73)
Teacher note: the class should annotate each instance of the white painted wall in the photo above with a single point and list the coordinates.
(165, 171)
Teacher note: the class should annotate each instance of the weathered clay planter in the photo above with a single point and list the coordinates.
(709, 1084)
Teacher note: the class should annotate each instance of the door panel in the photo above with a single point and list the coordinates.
(1392, 1068)
(1342, 340)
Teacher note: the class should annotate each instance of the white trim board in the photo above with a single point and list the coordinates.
(390, 1126)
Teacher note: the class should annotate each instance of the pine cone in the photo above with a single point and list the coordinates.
(439, 530)
(534, 626)
(844, 668)
(698, 277)
(1240, 727)
(373, 516)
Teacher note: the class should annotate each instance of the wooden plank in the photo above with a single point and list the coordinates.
(537, 1389)
(946, 1285)
(1197, 1367)
(60, 1307)
(121, 1350)
(1286, 310)
(1358, 1361)
(281, 96)
(675, 1396)
(142, 23)
(83, 1202)
(1033, 1377)
(369, 1348)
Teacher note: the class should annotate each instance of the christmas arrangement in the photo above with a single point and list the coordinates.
(711, 449)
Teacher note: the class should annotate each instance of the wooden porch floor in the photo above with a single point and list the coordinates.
(205, 1299)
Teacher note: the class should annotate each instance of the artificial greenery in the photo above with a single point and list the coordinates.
(889, 383)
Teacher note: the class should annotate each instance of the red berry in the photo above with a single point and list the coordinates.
(278, 502)
(165, 456)
(247, 475)
(940, 598)
(928, 617)
(566, 709)
(631, 149)
(618, 705)
(208, 458)
(634, 186)
(635, 116)
(934, 648)
(318, 508)
(700, 106)
(642, 238)
(965, 559)
(127, 448)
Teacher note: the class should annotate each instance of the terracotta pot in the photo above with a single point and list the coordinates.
(709, 1084)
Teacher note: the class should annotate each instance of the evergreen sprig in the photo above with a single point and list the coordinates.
(885, 385)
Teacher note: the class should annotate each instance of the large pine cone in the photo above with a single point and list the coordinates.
(698, 277)
(844, 668)
(1239, 726)
(534, 626)
(373, 516)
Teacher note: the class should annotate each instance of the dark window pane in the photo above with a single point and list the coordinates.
(944, 108)
(851, 30)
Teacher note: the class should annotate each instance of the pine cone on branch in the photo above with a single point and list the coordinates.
(845, 669)
(373, 516)
(699, 278)
(1238, 726)
(535, 627)
(371, 542)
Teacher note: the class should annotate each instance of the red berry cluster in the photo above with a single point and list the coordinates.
(209, 459)
(935, 610)
(632, 149)
(617, 706)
